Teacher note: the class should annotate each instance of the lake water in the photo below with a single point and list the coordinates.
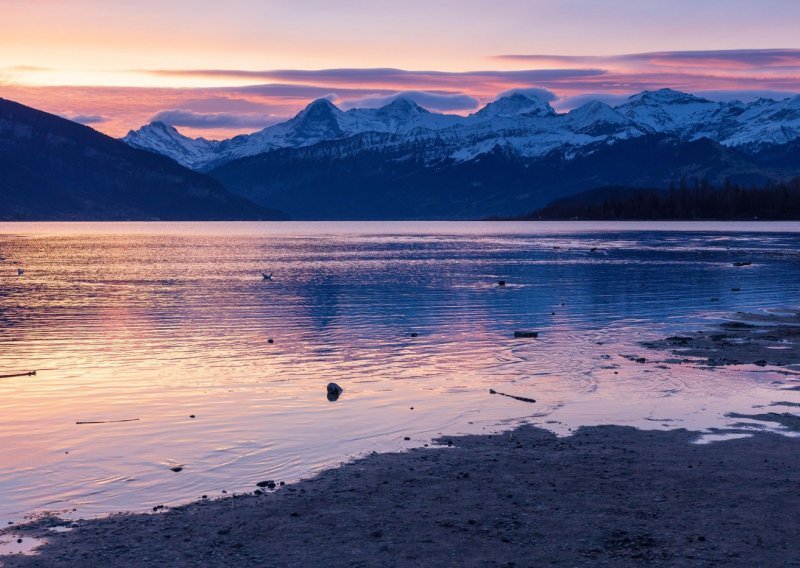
(153, 323)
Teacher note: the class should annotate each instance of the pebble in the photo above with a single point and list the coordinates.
(526, 334)
(176, 469)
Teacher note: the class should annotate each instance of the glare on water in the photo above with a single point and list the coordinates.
(156, 339)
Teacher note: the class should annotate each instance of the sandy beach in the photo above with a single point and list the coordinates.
(604, 496)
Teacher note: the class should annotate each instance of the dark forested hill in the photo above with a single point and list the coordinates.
(698, 200)
(52, 168)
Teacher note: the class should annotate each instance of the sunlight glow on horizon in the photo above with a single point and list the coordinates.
(252, 60)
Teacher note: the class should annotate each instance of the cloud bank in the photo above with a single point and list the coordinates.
(257, 98)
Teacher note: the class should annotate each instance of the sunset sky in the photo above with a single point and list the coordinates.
(216, 68)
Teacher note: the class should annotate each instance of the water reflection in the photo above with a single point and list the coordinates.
(171, 325)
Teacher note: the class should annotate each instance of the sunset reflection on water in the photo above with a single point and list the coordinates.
(154, 323)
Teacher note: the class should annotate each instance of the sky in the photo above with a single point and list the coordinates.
(216, 68)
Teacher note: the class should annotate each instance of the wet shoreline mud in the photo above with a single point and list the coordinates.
(745, 339)
(607, 495)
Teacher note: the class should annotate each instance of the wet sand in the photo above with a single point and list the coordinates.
(755, 339)
(607, 495)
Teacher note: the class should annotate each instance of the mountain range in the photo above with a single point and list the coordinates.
(396, 162)
(513, 155)
(55, 169)
(524, 123)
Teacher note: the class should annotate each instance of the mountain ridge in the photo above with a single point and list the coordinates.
(523, 122)
(54, 169)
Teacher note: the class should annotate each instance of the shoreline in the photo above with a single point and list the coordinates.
(605, 495)
(760, 339)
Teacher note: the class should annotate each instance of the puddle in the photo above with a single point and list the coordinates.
(711, 438)
(13, 544)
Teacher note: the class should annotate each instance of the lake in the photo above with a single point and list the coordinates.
(151, 343)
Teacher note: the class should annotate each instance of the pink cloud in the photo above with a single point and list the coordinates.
(224, 111)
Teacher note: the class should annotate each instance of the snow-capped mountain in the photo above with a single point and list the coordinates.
(164, 139)
(523, 124)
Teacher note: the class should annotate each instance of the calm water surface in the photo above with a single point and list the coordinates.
(158, 322)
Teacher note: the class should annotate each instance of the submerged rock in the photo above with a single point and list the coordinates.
(334, 392)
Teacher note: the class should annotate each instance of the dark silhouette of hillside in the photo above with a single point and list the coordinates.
(55, 169)
(698, 200)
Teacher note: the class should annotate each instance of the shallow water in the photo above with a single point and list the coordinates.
(154, 323)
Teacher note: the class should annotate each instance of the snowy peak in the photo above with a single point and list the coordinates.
(665, 97)
(516, 104)
(401, 108)
(670, 112)
(318, 121)
(596, 118)
(164, 139)
(520, 122)
(596, 111)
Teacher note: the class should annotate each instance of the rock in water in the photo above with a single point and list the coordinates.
(526, 334)
(501, 283)
(334, 391)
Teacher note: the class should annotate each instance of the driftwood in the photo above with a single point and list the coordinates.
(522, 398)
(25, 374)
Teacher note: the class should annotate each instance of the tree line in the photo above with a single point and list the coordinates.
(698, 200)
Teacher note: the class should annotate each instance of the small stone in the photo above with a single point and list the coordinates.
(192, 416)
(258, 492)
(176, 469)
(526, 334)
(270, 340)
(407, 438)
(501, 283)
(414, 334)
(269, 484)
